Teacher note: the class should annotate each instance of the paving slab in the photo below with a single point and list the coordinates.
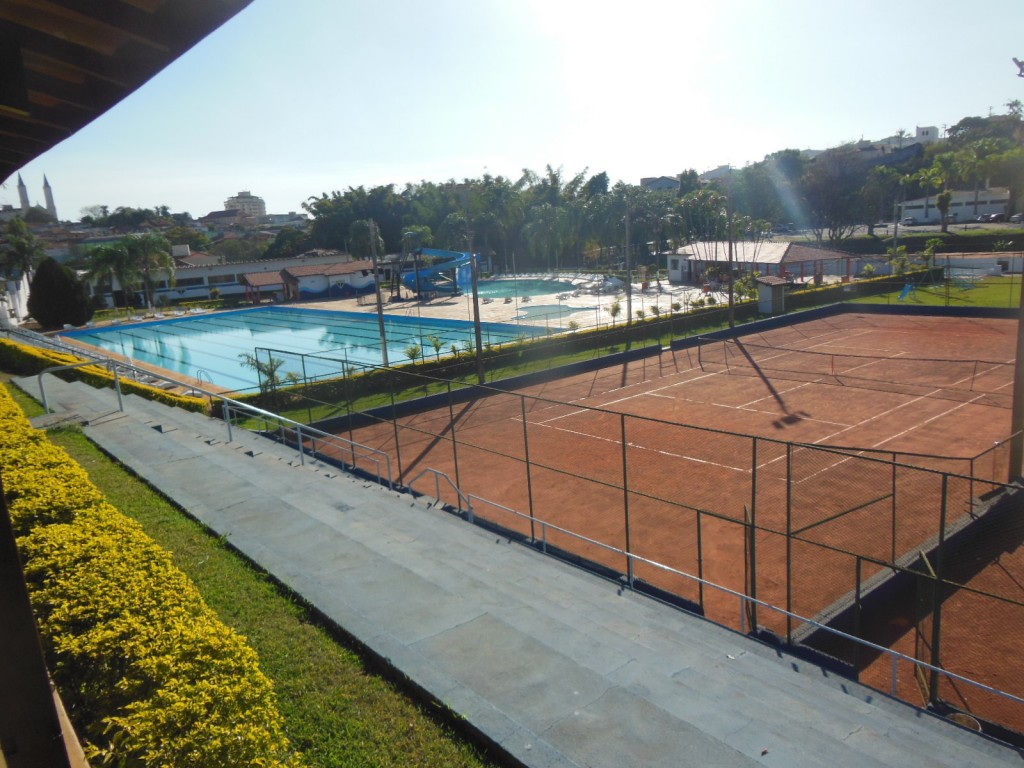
(554, 664)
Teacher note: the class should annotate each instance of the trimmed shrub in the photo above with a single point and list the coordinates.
(56, 296)
(26, 360)
(150, 676)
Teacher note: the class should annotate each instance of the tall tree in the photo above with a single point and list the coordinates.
(359, 239)
(831, 192)
(56, 297)
(151, 253)
(113, 264)
(23, 251)
(930, 178)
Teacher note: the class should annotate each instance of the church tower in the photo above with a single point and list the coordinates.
(23, 195)
(48, 193)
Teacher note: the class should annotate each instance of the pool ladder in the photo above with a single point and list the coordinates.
(202, 376)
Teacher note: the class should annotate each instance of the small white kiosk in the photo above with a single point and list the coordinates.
(771, 295)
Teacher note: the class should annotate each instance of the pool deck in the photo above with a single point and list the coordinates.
(579, 306)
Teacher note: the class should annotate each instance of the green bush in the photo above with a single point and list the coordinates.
(57, 297)
(25, 360)
(150, 676)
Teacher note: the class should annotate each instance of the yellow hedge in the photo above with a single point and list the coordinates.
(150, 675)
(28, 361)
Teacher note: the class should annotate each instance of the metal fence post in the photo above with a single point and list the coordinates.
(789, 542)
(752, 536)
(893, 550)
(856, 616)
(526, 455)
(455, 443)
(625, 499)
(937, 596)
(394, 421)
(700, 563)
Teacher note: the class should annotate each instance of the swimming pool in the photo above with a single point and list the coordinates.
(526, 286)
(210, 346)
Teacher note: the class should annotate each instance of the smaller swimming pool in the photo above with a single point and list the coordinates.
(526, 286)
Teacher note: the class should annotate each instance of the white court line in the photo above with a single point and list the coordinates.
(741, 470)
(909, 429)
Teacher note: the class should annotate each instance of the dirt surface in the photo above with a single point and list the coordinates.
(701, 443)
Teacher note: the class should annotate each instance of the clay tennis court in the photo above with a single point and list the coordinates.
(839, 439)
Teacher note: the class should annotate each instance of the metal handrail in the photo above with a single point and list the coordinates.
(303, 431)
(896, 656)
(438, 474)
(230, 406)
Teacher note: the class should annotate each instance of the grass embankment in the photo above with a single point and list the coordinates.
(337, 710)
(990, 291)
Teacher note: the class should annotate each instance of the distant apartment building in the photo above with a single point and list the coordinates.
(247, 203)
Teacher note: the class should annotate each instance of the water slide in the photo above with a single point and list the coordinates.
(449, 276)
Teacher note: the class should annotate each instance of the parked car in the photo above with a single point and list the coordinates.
(1017, 218)
(982, 217)
(909, 221)
(997, 217)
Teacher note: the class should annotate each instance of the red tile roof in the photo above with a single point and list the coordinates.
(262, 279)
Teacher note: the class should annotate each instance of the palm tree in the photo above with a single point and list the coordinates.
(437, 343)
(113, 264)
(929, 178)
(150, 253)
(23, 249)
(974, 163)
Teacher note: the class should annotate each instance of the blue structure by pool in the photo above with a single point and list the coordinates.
(313, 343)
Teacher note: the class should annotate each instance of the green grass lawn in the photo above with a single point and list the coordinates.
(338, 710)
(989, 291)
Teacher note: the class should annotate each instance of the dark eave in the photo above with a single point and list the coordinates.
(63, 63)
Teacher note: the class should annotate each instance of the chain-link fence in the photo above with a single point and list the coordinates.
(907, 551)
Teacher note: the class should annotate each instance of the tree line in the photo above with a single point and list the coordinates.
(553, 221)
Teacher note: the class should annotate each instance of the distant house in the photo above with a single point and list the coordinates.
(658, 183)
(720, 173)
(323, 281)
(217, 219)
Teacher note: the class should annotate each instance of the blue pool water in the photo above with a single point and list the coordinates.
(526, 286)
(210, 346)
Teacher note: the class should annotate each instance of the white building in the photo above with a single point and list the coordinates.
(247, 203)
(923, 134)
(965, 205)
(195, 283)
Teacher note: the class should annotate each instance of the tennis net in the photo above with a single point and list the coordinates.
(981, 376)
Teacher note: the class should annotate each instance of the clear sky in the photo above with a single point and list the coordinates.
(292, 99)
